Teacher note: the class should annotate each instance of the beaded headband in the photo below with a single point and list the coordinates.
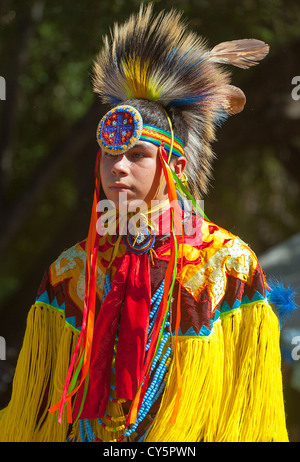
(156, 135)
(122, 127)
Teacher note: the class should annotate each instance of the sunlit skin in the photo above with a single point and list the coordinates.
(137, 175)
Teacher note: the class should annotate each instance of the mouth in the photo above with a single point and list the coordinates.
(119, 187)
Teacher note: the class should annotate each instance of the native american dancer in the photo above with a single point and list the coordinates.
(160, 325)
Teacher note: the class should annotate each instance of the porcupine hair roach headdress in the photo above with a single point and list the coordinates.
(156, 58)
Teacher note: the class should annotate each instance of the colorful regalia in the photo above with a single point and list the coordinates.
(170, 335)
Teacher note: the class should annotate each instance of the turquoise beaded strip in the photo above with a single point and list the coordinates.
(157, 381)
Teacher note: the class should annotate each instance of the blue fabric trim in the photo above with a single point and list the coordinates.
(204, 331)
(245, 301)
(44, 298)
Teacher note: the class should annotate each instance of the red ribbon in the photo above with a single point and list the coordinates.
(128, 302)
(82, 352)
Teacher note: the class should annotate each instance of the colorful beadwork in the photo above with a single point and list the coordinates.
(159, 366)
(120, 129)
(156, 136)
(140, 242)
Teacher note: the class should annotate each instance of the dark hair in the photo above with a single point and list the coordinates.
(153, 114)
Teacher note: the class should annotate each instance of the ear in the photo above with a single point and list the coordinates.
(178, 166)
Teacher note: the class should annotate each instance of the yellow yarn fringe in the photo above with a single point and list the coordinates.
(232, 383)
(39, 380)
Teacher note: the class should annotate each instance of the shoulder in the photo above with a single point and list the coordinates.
(63, 280)
(219, 249)
(71, 261)
(222, 261)
(228, 251)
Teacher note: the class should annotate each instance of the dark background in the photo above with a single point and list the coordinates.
(48, 147)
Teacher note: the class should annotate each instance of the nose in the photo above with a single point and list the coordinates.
(121, 165)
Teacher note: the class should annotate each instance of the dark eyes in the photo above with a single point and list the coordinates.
(108, 155)
(137, 155)
(132, 155)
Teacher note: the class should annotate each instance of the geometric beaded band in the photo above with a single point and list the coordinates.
(156, 135)
(122, 127)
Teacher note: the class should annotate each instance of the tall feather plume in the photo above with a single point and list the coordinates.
(159, 59)
(241, 53)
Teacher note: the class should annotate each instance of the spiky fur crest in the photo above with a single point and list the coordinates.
(157, 58)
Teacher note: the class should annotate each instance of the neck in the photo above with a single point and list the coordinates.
(120, 222)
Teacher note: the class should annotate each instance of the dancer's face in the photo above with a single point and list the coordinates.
(136, 175)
